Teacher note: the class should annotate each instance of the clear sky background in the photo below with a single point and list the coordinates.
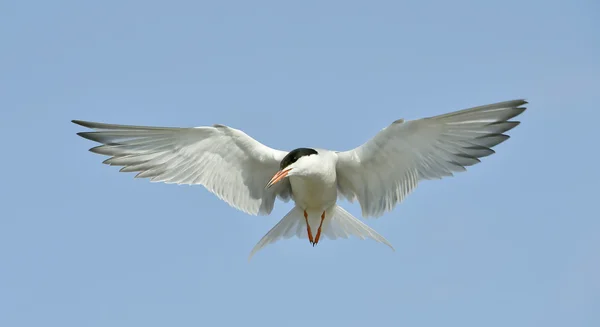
(515, 241)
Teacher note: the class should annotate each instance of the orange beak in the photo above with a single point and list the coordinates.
(278, 176)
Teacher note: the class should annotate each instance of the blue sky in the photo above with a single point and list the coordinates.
(515, 241)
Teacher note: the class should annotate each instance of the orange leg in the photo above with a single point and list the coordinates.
(319, 230)
(310, 237)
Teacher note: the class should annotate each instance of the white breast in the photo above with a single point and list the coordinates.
(317, 190)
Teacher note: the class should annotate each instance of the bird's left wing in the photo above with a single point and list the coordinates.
(384, 170)
(226, 161)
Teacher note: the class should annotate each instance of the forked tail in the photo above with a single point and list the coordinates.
(338, 223)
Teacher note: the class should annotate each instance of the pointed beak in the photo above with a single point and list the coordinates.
(278, 176)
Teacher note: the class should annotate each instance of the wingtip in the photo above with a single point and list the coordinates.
(252, 253)
(520, 103)
(87, 136)
(81, 123)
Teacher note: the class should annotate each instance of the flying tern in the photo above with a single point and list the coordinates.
(249, 175)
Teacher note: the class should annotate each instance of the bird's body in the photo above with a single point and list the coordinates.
(317, 190)
(250, 176)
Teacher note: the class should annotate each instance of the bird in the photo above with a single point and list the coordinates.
(250, 176)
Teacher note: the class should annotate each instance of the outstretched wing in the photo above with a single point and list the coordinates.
(384, 170)
(226, 161)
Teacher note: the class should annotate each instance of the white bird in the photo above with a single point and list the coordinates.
(249, 175)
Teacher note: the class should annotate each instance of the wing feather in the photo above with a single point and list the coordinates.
(226, 161)
(384, 170)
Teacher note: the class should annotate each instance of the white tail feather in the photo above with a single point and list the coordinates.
(338, 223)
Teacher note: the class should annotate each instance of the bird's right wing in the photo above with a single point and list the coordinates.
(384, 170)
(225, 160)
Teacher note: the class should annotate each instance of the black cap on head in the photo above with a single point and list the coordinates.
(294, 155)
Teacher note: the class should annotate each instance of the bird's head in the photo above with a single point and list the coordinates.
(296, 162)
